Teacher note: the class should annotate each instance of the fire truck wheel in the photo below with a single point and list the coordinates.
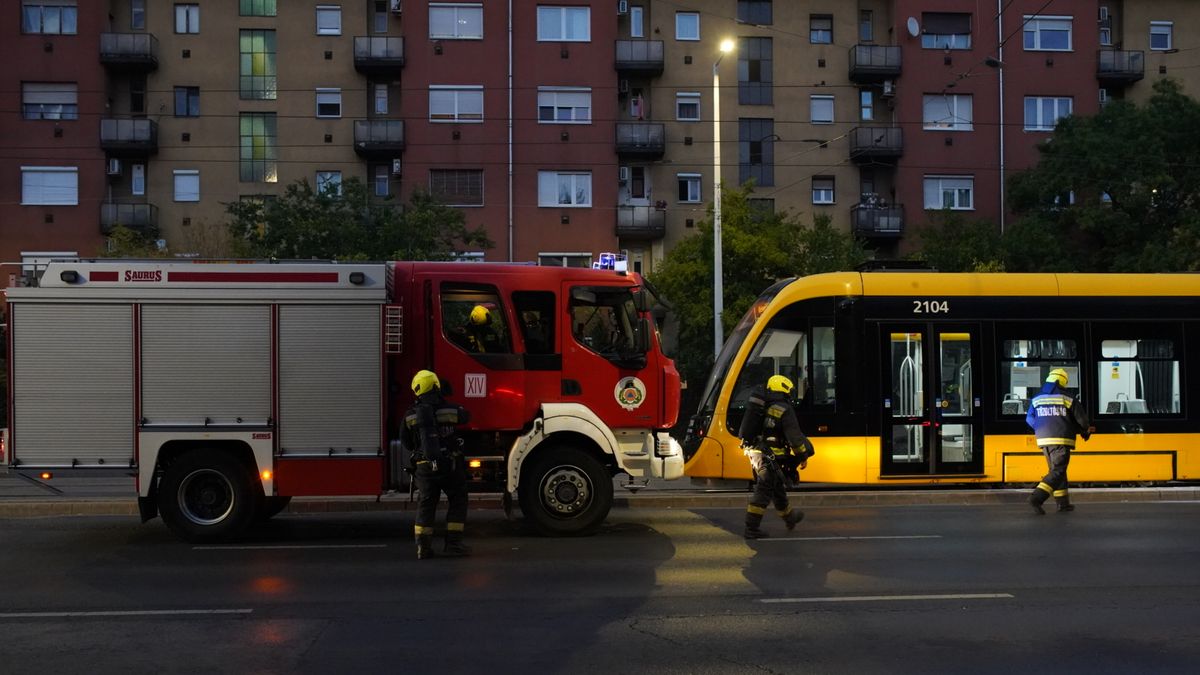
(206, 495)
(566, 491)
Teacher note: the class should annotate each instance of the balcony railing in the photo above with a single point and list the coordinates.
(378, 138)
(378, 54)
(141, 217)
(641, 139)
(1120, 66)
(875, 221)
(128, 135)
(641, 222)
(872, 62)
(136, 51)
(640, 56)
(873, 143)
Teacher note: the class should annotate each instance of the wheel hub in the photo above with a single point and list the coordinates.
(206, 497)
(566, 490)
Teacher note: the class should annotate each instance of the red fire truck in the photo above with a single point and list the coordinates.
(225, 389)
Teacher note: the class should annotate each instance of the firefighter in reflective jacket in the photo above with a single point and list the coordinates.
(772, 439)
(1055, 418)
(438, 464)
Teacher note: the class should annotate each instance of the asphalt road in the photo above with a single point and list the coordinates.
(1111, 588)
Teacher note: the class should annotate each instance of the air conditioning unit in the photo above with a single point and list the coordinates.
(397, 167)
(889, 87)
(395, 6)
(623, 174)
(622, 86)
(114, 167)
(622, 7)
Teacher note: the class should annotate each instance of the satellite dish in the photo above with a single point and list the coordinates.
(914, 28)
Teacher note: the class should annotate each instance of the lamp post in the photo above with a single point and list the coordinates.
(718, 282)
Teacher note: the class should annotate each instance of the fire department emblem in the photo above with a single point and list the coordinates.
(630, 393)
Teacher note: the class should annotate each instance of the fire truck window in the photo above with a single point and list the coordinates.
(535, 312)
(473, 319)
(605, 320)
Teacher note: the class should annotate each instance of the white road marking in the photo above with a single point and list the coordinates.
(285, 547)
(879, 598)
(898, 536)
(134, 613)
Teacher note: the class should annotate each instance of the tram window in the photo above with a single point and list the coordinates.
(804, 355)
(823, 374)
(1024, 365)
(1138, 377)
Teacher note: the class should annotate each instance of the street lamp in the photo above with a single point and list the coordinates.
(718, 283)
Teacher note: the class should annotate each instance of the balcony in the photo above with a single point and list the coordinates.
(376, 139)
(140, 217)
(869, 63)
(136, 136)
(876, 143)
(641, 140)
(640, 56)
(378, 55)
(641, 222)
(1120, 66)
(129, 51)
(871, 220)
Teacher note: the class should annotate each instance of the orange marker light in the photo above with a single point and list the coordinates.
(475, 464)
(46, 475)
(266, 475)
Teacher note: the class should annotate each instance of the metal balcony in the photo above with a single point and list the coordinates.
(129, 51)
(642, 140)
(641, 222)
(140, 217)
(378, 54)
(128, 136)
(640, 56)
(874, 221)
(1120, 66)
(378, 138)
(875, 143)
(869, 63)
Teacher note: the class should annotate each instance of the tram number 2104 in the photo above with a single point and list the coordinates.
(931, 307)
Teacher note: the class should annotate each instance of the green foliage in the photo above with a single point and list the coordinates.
(952, 243)
(352, 225)
(124, 242)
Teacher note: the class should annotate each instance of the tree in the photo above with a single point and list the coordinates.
(1115, 192)
(348, 224)
(124, 242)
(952, 243)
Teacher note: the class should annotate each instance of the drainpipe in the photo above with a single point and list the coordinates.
(1000, 71)
(510, 131)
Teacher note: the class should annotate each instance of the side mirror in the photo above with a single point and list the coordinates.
(583, 295)
(640, 300)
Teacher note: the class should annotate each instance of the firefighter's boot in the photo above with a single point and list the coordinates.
(792, 517)
(1064, 504)
(425, 547)
(455, 546)
(1040, 494)
(754, 516)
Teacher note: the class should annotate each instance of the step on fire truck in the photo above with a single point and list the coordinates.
(225, 389)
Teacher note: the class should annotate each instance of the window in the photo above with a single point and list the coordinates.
(451, 103)
(137, 179)
(187, 185)
(187, 18)
(455, 22)
(820, 29)
(52, 17)
(1106, 37)
(565, 188)
(755, 71)
(137, 93)
(689, 187)
(565, 105)
(50, 100)
(1161, 35)
(329, 182)
(822, 189)
(49, 185)
(948, 112)
(583, 260)
(637, 182)
(257, 8)
(187, 101)
(1138, 375)
(458, 302)
(259, 152)
(761, 206)
(257, 65)
(381, 98)
(1047, 33)
(637, 22)
(797, 346)
(757, 12)
(950, 192)
(1043, 112)
(457, 187)
(687, 25)
(604, 319)
(687, 106)
(820, 109)
(137, 14)
(866, 26)
(329, 20)
(379, 17)
(329, 103)
(381, 178)
(535, 314)
(866, 101)
(756, 151)
(1024, 364)
(945, 30)
(564, 24)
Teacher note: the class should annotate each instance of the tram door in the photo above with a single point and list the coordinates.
(931, 400)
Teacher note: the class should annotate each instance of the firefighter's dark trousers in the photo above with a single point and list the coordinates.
(452, 480)
(1054, 483)
(769, 486)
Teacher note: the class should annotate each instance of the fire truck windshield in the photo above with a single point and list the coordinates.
(605, 320)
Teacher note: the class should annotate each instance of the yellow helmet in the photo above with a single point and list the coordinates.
(1058, 376)
(780, 384)
(424, 382)
(480, 315)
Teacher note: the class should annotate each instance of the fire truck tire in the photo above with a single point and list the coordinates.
(270, 507)
(566, 491)
(207, 495)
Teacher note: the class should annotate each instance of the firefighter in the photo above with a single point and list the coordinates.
(772, 439)
(1055, 419)
(478, 335)
(438, 464)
